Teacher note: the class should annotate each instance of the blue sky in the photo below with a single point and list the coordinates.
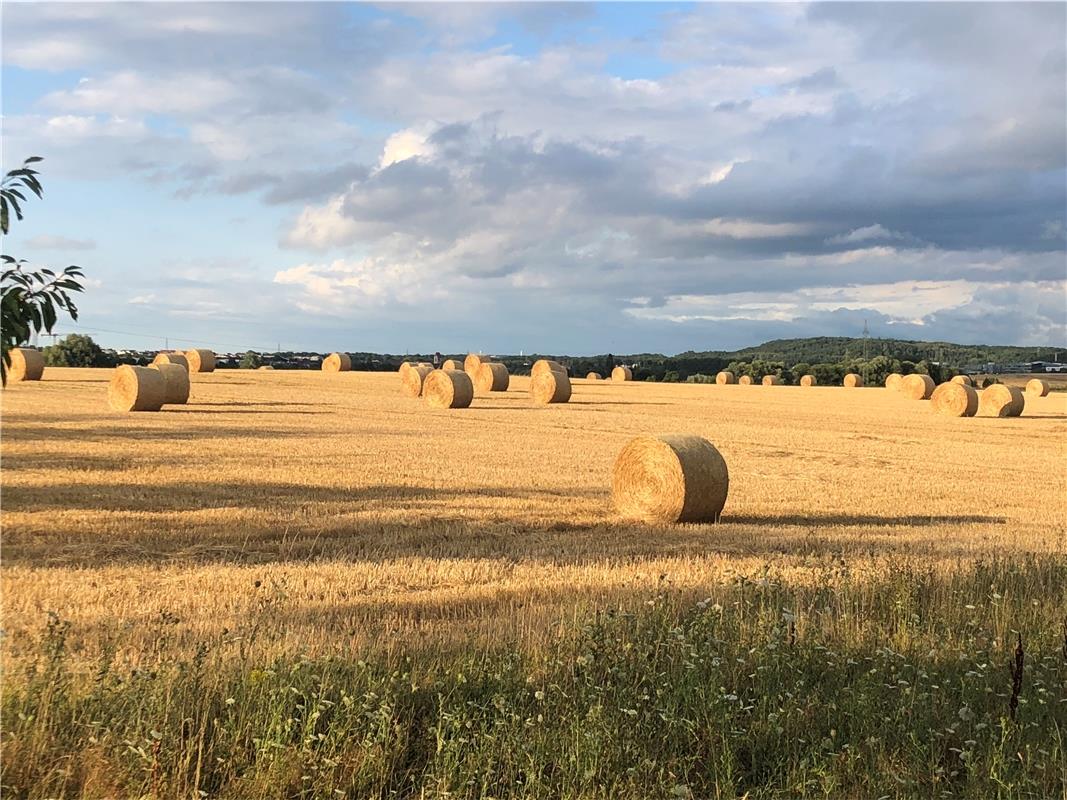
(564, 178)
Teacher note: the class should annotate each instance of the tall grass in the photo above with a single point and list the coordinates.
(896, 688)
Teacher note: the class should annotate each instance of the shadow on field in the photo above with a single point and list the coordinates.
(214, 411)
(813, 521)
(114, 428)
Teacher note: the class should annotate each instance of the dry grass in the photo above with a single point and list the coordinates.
(313, 512)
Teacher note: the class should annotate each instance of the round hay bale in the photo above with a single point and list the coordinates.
(853, 381)
(724, 378)
(955, 399)
(622, 374)
(136, 389)
(412, 378)
(200, 360)
(893, 380)
(26, 364)
(451, 363)
(808, 380)
(593, 376)
(448, 388)
(171, 358)
(337, 362)
(744, 380)
(917, 387)
(1036, 387)
(674, 478)
(550, 387)
(771, 380)
(964, 380)
(544, 365)
(175, 383)
(491, 377)
(1000, 400)
(265, 366)
(472, 362)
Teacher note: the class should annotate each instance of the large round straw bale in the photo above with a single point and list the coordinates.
(200, 360)
(412, 378)
(550, 387)
(893, 380)
(955, 399)
(593, 376)
(26, 364)
(136, 389)
(171, 358)
(544, 365)
(917, 387)
(451, 363)
(963, 379)
(808, 380)
(337, 362)
(674, 478)
(621, 373)
(448, 388)
(771, 380)
(491, 377)
(745, 380)
(1000, 400)
(1036, 387)
(724, 378)
(265, 366)
(175, 383)
(853, 381)
(472, 362)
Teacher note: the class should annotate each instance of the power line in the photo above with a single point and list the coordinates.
(166, 339)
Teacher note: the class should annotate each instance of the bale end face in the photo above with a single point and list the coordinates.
(545, 365)
(200, 360)
(451, 388)
(725, 378)
(550, 387)
(171, 358)
(472, 362)
(452, 364)
(808, 380)
(621, 373)
(337, 362)
(965, 380)
(893, 381)
(175, 383)
(955, 400)
(26, 364)
(917, 387)
(491, 377)
(673, 478)
(593, 376)
(853, 381)
(412, 379)
(1036, 387)
(771, 380)
(744, 380)
(136, 389)
(1000, 400)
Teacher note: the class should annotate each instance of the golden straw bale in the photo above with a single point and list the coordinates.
(544, 365)
(771, 380)
(673, 478)
(744, 380)
(337, 362)
(26, 364)
(550, 386)
(200, 360)
(1036, 387)
(853, 381)
(724, 378)
(171, 358)
(451, 363)
(1000, 400)
(491, 377)
(136, 389)
(472, 362)
(621, 373)
(893, 380)
(412, 378)
(955, 399)
(448, 388)
(265, 366)
(917, 387)
(175, 383)
(593, 376)
(808, 380)
(963, 379)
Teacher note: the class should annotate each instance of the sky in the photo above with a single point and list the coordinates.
(550, 178)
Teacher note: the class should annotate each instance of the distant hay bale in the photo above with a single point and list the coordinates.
(200, 360)
(955, 399)
(1036, 387)
(621, 373)
(893, 380)
(917, 387)
(808, 380)
(265, 366)
(1000, 400)
(725, 377)
(744, 380)
(491, 377)
(136, 389)
(175, 383)
(412, 379)
(171, 358)
(853, 381)
(451, 363)
(593, 376)
(26, 364)
(673, 478)
(337, 362)
(963, 379)
(472, 362)
(448, 388)
(544, 365)
(550, 386)
(771, 380)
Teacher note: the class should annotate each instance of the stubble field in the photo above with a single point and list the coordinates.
(295, 517)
